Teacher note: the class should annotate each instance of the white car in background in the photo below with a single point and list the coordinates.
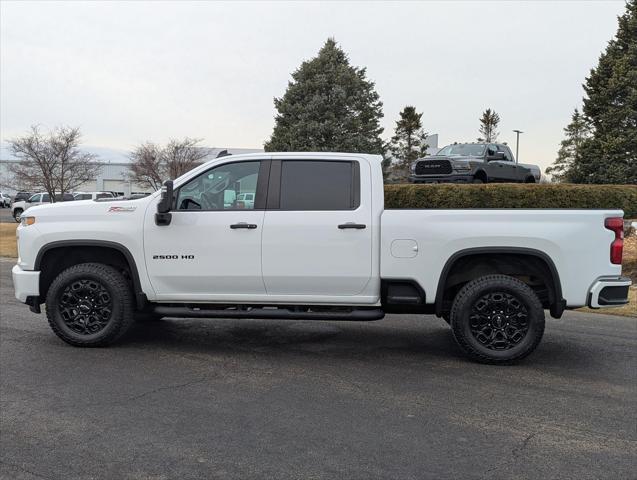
(18, 208)
(245, 200)
(5, 200)
(92, 195)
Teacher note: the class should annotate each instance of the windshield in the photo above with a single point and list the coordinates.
(463, 150)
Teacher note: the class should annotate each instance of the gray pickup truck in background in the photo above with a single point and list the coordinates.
(473, 163)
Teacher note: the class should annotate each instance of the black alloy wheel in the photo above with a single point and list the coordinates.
(86, 306)
(497, 319)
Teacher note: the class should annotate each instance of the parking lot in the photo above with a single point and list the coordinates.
(274, 399)
(5, 216)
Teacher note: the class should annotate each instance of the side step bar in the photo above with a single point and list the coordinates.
(271, 313)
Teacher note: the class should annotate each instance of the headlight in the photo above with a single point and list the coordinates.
(461, 166)
(26, 221)
(412, 168)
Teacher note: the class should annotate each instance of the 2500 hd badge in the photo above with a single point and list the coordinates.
(173, 257)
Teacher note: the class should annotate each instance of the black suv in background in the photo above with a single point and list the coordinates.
(21, 196)
(473, 163)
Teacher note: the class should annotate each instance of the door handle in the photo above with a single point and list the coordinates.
(356, 226)
(249, 226)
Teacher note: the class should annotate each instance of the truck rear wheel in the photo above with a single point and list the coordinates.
(90, 305)
(497, 319)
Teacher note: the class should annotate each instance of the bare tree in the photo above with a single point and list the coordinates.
(53, 161)
(151, 164)
(146, 165)
(488, 126)
(182, 156)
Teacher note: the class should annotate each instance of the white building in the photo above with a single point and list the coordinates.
(432, 144)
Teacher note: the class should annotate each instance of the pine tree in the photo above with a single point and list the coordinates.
(328, 106)
(488, 126)
(611, 106)
(409, 141)
(577, 133)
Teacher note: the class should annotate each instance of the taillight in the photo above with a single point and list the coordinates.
(616, 224)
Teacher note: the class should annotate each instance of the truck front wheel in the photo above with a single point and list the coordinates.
(90, 305)
(497, 319)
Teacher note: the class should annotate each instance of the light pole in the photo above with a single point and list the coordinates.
(517, 143)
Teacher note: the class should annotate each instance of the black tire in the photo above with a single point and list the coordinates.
(17, 213)
(497, 336)
(91, 283)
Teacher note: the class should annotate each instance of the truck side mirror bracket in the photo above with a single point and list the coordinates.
(163, 215)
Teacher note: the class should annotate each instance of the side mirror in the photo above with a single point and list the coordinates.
(163, 215)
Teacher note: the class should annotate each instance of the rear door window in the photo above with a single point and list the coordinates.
(319, 185)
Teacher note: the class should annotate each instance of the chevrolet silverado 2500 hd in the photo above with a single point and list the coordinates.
(316, 243)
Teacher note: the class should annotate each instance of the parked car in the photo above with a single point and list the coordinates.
(473, 163)
(317, 244)
(21, 196)
(18, 208)
(5, 200)
(92, 195)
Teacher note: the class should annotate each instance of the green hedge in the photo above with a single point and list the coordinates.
(513, 196)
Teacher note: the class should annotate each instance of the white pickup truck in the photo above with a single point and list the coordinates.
(316, 244)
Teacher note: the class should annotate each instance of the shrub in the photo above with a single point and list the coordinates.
(436, 196)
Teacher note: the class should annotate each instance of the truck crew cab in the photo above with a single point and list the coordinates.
(316, 243)
(473, 163)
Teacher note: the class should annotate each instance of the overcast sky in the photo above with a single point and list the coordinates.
(133, 71)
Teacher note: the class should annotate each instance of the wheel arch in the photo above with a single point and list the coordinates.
(62, 254)
(482, 256)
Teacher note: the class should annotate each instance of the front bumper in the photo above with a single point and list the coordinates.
(609, 292)
(26, 283)
(451, 178)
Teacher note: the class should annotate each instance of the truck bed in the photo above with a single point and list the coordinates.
(416, 244)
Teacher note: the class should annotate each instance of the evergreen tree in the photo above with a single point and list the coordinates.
(328, 106)
(409, 141)
(611, 106)
(577, 133)
(488, 126)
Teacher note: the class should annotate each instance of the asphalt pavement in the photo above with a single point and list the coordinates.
(5, 216)
(242, 399)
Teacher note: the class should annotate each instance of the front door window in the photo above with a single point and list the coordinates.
(227, 187)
